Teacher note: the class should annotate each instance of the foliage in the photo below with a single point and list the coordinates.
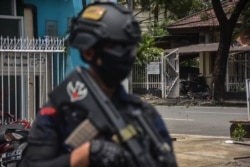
(159, 29)
(204, 16)
(198, 5)
(244, 18)
(172, 10)
(147, 51)
(182, 8)
(135, 3)
(239, 132)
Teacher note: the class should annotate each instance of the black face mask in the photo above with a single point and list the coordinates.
(117, 63)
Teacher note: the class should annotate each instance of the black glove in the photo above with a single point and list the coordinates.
(169, 161)
(107, 154)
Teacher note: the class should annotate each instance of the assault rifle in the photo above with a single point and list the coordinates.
(79, 90)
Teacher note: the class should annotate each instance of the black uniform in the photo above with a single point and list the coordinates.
(46, 141)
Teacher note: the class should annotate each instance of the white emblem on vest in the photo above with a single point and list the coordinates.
(77, 91)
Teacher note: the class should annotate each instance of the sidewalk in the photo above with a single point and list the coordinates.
(210, 151)
(193, 102)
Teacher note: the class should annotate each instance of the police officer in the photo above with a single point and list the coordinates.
(106, 35)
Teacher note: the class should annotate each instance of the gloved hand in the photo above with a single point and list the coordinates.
(107, 154)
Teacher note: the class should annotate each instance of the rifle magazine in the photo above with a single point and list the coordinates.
(83, 133)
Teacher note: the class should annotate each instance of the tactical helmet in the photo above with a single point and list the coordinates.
(101, 21)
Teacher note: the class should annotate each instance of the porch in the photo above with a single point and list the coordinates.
(237, 69)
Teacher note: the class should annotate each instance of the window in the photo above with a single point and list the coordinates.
(11, 24)
(10, 27)
(51, 28)
(7, 7)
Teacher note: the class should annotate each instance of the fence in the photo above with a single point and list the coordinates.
(29, 69)
(237, 71)
(159, 77)
(248, 97)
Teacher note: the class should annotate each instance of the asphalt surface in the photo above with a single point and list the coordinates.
(207, 151)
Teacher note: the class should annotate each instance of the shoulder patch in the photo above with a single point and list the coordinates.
(48, 111)
(94, 13)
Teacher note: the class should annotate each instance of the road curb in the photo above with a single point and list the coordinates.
(200, 136)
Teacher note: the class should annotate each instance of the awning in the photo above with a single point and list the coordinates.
(209, 47)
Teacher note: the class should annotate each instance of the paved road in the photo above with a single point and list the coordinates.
(211, 121)
(195, 130)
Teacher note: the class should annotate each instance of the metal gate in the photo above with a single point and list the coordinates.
(29, 70)
(172, 74)
(237, 71)
(159, 78)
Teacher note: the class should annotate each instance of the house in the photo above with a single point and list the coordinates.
(205, 25)
(34, 56)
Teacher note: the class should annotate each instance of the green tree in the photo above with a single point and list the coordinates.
(172, 10)
(227, 26)
(199, 5)
(244, 17)
(147, 51)
(180, 8)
